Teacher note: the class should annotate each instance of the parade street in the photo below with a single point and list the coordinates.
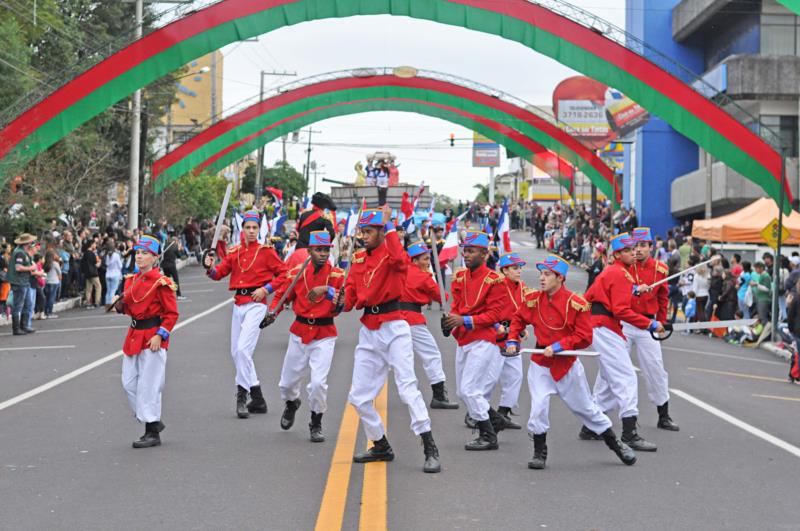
(66, 460)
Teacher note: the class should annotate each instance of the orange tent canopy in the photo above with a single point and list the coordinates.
(745, 225)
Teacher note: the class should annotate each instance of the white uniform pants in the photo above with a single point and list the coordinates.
(648, 350)
(573, 390)
(616, 368)
(143, 381)
(314, 360)
(377, 351)
(427, 351)
(508, 372)
(244, 336)
(476, 369)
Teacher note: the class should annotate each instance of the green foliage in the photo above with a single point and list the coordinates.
(199, 196)
(483, 193)
(282, 176)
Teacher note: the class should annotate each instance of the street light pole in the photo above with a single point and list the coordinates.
(136, 127)
(776, 263)
(260, 162)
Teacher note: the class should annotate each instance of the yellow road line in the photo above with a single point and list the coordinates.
(334, 500)
(740, 375)
(774, 397)
(373, 494)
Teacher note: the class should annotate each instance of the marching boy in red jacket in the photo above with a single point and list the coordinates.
(149, 298)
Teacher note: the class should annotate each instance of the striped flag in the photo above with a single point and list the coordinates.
(450, 248)
(504, 230)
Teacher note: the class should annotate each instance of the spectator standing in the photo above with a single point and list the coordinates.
(685, 250)
(744, 294)
(54, 274)
(89, 262)
(169, 263)
(728, 299)
(113, 262)
(700, 287)
(762, 292)
(20, 271)
(793, 316)
(5, 287)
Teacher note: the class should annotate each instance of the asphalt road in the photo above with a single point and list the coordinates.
(66, 460)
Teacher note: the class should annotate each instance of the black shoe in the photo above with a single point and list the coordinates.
(380, 451)
(159, 426)
(506, 414)
(665, 422)
(315, 428)
(539, 458)
(486, 440)
(241, 402)
(623, 451)
(440, 400)
(150, 437)
(26, 328)
(588, 435)
(632, 438)
(257, 403)
(432, 464)
(15, 328)
(470, 422)
(498, 421)
(287, 419)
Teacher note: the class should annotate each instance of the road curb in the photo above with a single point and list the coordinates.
(75, 302)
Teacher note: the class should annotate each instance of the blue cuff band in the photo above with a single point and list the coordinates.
(512, 344)
(557, 346)
(468, 322)
(653, 325)
(496, 326)
(212, 273)
(269, 288)
(163, 333)
(330, 293)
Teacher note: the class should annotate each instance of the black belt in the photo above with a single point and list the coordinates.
(246, 292)
(386, 307)
(144, 324)
(410, 307)
(314, 321)
(599, 309)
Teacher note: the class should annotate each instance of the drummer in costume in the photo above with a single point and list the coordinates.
(252, 267)
(384, 341)
(477, 305)
(149, 298)
(646, 270)
(610, 296)
(419, 289)
(312, 336)
(317, 218)
(561, 321)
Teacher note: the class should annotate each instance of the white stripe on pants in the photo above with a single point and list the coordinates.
(377, 351)
(616, 368)
(476, 368)
(427, 350)
(143, 380)
(507, 371)
(648, 351)
(313, 359)
(573, 390)
(244, 336)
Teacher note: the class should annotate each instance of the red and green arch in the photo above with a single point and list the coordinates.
(791, 5)
(532, 25)
(542, 142)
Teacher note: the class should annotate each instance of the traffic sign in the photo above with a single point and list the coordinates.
(770, 234)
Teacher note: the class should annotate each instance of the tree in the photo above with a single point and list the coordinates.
(282, 175)
(483, 193)
(194, 195)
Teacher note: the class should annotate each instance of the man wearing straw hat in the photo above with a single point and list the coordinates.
(20, 270)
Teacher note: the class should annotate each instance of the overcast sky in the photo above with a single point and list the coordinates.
(317, 47)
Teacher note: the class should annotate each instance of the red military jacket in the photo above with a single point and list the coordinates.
(330, 276)
(652, 304)
(376, 277)
(562, 321)
(613, 289)
(512, 294)
(418, 288)
(148, 295)
(250, 266)
(478, 297)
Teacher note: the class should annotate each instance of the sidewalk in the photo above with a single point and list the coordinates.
(75, 302)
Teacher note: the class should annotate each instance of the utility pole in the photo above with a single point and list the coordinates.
(709, 184)
(136, 126)
(491, 186)
(310, 131)
(260, 161)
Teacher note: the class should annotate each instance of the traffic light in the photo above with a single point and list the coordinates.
(452, 139)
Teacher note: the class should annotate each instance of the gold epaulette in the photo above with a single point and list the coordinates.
(531, 297)
(578, 303)
(337, 272)
(493, 278)
(130, 276)
(167, 281)
(233, 248)
(662, 268)
(628, 275)
(459, 273)
(359, 256)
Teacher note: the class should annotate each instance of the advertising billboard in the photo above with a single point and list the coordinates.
(485, 152)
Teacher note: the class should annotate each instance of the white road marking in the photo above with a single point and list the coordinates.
(775, 397)
(90, 316)
(717, 354)
(36, 348)
(40, 331)
(88, 367)
(197, 291)
(761, 434)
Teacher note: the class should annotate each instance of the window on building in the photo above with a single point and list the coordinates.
(786, 127)
(779, 35)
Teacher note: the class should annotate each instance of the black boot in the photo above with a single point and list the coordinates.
(287, 419)
(257, 403)
(486, 440)
(664, 420)
(506, 413)
(241, 402)
(539, 451)
(431, 465)
(588, 435)
(498, 421)
(25, 325)
(633, 439)
(150, 437)
(623, 451)
(470, 422)
(315, 428)
(439, 400)
(15, 328)
(380, 451)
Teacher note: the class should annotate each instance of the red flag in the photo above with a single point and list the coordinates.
(406, 207)
(277, 194)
